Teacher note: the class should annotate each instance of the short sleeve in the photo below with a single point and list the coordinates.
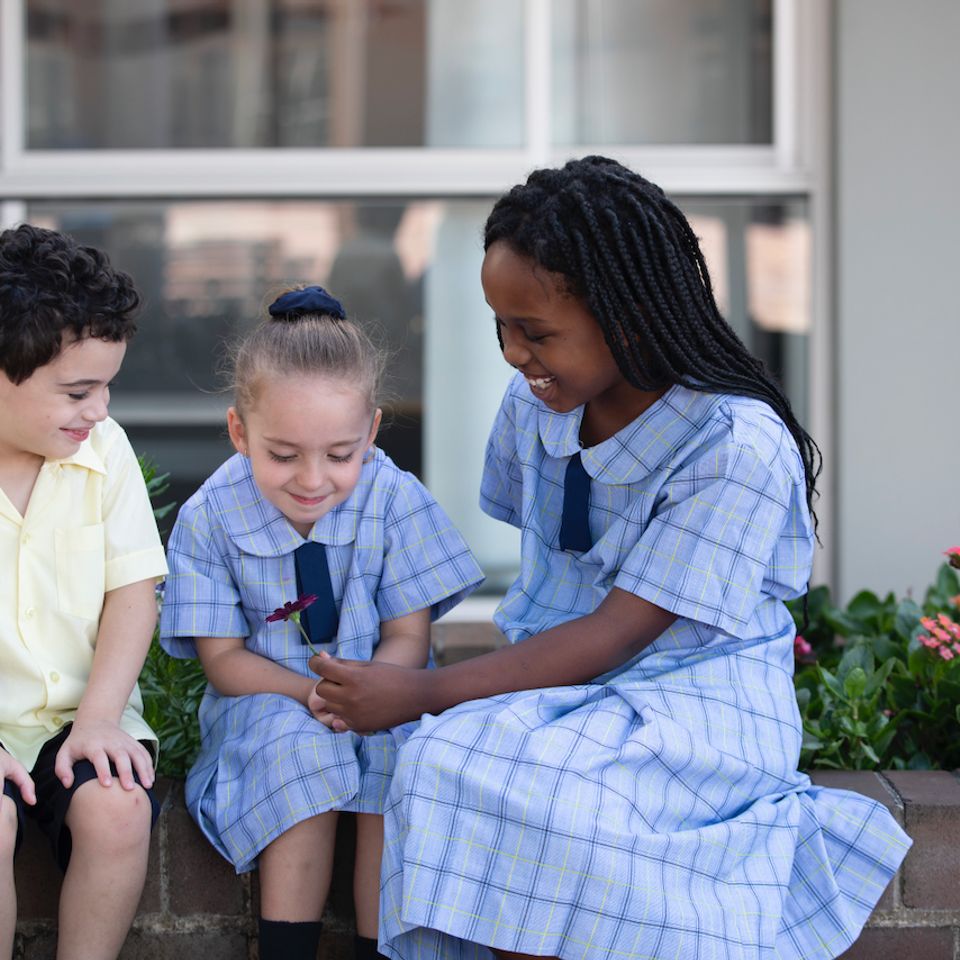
(200, 598)
(132, 548)
(501, 486)
(426, 561)
(705, 553)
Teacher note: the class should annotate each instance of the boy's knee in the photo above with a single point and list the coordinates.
(109, 817)
(8, 829)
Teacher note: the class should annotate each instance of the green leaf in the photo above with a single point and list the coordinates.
(948, 585)
(832, 684)
(907, 618)
(855, 683)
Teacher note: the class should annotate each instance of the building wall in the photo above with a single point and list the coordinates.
(897, 278)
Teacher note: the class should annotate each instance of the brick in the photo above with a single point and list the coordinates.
(869, 785)
(896, 943)
(170, 945)
(336, 946)
(37, 877)
(151, 901)
(931, 802)
(457, 641)
(200, 880)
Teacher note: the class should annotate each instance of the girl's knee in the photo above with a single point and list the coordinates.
(110, 817)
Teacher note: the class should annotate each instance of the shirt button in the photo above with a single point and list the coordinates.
(29, 612)
(54, 676)
(25, 539)
(58, 721)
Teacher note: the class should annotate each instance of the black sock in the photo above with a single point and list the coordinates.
(366, 948)
(280, 940)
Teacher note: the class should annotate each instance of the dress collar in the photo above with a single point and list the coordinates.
(259, 528)
(639, 448)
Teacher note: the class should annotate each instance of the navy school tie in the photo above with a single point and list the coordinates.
(320, 619)
(574, 522)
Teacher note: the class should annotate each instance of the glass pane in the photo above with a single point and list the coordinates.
(207, 269)
(759, 256)
(274, 73)
(662, 71)
(411, 270)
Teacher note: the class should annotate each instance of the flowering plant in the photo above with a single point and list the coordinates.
(878, 681)
(291, 610)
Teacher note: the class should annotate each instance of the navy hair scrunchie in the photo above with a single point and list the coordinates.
(296, 303)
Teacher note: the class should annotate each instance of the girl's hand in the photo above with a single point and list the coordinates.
(13, 770)
(316, 705)
(100, 742)
(369, 696)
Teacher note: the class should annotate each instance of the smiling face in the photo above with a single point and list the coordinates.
(554, 341)
(306, 438)
(52, 412)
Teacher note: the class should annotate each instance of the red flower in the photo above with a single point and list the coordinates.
(291, 610)
(953, 556)
(801, 648)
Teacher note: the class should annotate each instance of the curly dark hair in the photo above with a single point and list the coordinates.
(50, 284)
(628, 253)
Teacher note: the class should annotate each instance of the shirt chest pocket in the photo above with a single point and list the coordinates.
(80, 570)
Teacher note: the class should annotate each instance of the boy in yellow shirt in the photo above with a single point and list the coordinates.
(79, 558)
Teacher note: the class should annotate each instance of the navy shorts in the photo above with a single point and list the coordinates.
(53, 798)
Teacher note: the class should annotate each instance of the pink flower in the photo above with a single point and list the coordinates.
(929, 642)
(956, 600)
(801, 648)
(955, 647)
(946, 653)
(291, 610)
(941, 635)
(928, 622)
(945, 621)
(953, 556)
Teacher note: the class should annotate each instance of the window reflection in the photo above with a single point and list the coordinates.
(272, 73)
(208, 269)
(662, 71)
(409, 270)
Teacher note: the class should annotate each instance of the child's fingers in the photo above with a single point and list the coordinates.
(18, 776)
(143, 764)
(101, 763)
(121, 761)
(63, 766)
(318, 659)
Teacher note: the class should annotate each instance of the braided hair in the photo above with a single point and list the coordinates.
(628, 253)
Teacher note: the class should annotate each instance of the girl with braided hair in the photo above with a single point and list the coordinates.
(621, 780)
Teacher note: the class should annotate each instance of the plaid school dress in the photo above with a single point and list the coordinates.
(265, 763)
(655, 813)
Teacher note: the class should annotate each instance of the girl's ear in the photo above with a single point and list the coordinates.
(375, 427)
(238, 434)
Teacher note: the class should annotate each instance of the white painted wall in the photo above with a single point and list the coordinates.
(897, 191)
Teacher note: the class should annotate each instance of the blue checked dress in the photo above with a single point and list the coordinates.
(265, 763)
(655, 813)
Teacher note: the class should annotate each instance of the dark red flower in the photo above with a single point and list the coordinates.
(291, 607)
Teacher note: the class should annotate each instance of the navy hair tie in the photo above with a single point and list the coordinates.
(296, 303)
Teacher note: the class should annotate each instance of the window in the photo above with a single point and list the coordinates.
(218, 148)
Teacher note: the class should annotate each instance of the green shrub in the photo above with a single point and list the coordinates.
(171, 688)
(878, 681)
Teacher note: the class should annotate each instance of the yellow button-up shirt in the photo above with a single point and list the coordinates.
(88, 528)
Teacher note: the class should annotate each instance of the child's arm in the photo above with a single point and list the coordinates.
(374, 696)
(405, 641)
(126, 629)
(236, 671)
(13, 770)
